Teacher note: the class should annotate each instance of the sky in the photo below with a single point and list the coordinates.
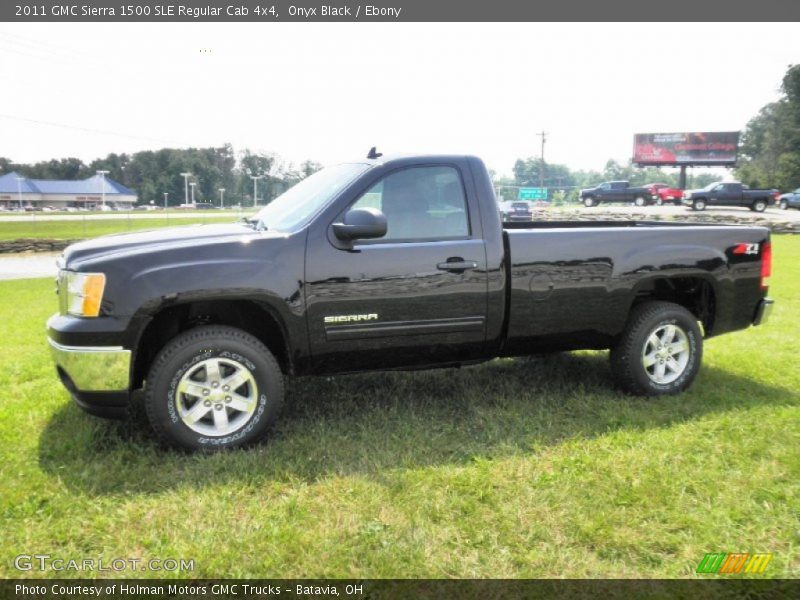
(328, 92)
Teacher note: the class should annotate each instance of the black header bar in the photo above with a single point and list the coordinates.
(372, 11)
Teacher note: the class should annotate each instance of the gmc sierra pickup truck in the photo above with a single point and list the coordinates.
(617, 191)
(730, 193)
(387, 263)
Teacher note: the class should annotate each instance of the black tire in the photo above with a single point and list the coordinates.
(640, 201)
(628, 357)
(760, 205)
(699, 204)
(659, 202)
(589, 202)
(190, 351)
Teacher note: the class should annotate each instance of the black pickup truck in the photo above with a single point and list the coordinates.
(730, 193)
(617, 191)
(384, 264)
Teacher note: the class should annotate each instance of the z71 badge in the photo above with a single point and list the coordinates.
(351, 318)
(745, 249)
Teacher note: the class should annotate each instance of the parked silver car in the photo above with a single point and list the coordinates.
(790, 200)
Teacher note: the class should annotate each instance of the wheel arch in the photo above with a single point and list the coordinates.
(256, 317)
(697, 293)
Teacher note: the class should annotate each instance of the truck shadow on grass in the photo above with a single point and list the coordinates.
(369, 424)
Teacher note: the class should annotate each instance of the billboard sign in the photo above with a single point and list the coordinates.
(705, 148)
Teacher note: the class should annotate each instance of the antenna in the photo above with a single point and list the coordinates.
(373, 153)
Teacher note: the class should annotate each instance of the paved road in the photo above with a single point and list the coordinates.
(26, 266)
(28, 217)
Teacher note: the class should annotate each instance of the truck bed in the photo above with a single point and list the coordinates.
(572, 283)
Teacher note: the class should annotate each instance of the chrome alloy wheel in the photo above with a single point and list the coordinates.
(217, 396)
(666, 354)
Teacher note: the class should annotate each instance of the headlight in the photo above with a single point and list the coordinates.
(83, 293)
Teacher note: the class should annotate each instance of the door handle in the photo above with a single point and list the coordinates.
(457, 264)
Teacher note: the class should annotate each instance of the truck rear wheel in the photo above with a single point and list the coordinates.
(213, 387)
(660, 350)
(639, 201)
(760, 205)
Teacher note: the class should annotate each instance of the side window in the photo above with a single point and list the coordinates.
(420, 203)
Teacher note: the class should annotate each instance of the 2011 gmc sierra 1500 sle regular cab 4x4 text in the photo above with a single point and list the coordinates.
(384, 264)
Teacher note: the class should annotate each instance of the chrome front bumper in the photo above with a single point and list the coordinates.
(92, 368)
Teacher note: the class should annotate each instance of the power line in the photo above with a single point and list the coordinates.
(543, 135)
(90, 130)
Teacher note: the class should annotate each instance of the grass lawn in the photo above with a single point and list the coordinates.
(78, 228)
(516, 468)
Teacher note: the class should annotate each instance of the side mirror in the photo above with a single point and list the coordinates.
(361, 224)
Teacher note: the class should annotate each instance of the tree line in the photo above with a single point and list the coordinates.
(771, 142)
(769, 156)
(151, 173)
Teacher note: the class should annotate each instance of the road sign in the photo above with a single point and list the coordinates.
(532, 194)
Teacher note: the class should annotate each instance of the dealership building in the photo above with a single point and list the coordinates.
(16, 190)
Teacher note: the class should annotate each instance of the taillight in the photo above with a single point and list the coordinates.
(766, 265)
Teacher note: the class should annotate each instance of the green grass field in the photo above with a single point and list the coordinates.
(78, 228)
(516, 468)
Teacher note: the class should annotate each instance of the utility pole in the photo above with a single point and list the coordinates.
(221, 195)
(194, 183)
(186, 186)
(103, 178)
(543, 135)
(255, 179)
(165, 200)
(19, 190)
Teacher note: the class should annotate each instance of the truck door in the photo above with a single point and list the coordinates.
(718, 195)
(416, 296)
(734, 194)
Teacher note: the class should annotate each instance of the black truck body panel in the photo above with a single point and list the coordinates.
(534, 287)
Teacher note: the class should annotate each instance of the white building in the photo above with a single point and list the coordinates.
(60, 194)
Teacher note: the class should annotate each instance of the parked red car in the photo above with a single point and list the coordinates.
(664, 193)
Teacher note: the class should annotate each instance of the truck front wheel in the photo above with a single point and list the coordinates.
(699, 204)
(659, 351)
(213, 387)
(588, 202)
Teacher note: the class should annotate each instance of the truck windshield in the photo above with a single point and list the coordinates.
(297, 205)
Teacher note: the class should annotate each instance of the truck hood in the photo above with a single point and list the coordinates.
(159, 239)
